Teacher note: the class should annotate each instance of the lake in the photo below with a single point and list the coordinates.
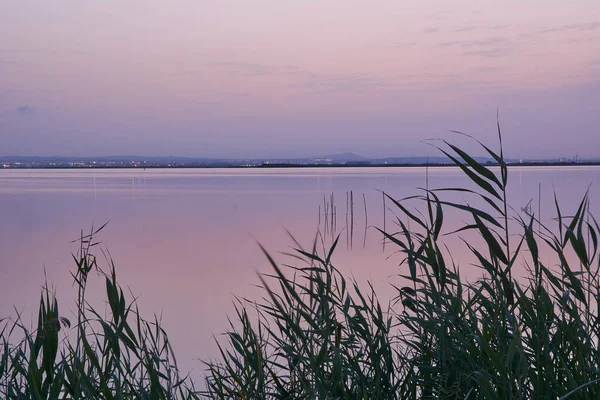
(185, 240)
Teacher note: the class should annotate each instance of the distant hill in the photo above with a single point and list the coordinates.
(342, 157)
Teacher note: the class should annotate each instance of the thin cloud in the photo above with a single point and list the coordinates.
(345, 84)
(451, 43)
(26, 110)
(465, 29)
(465, 85)
(498, 27)
(439, 15)
(253, 69)
(581, 27)
(589, 39)
(488, 53)
(431, 30)
(551, 30)
(405, 45)
(584, 27)
(474, 43)
(304, 78)
(184, 73)
(204, 103)
(486, 69)
(489, 41)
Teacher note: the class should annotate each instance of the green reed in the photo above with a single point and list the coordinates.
(317, 335)
(119, 356)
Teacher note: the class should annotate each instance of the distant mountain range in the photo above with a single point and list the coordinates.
(343, 159)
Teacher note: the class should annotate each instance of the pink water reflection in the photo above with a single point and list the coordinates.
(186, 240)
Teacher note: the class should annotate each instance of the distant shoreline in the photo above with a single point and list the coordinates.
(288, 166)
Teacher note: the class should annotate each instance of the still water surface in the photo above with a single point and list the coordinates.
(186, 240)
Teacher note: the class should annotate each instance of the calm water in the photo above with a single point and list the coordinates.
(185, 240)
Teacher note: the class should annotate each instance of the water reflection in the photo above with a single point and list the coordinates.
(186, 239)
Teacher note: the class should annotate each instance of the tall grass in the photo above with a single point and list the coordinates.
(317, 335)
(116, 356)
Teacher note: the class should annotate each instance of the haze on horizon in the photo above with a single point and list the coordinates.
(274, 78)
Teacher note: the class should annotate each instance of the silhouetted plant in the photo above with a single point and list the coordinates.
(122, 356)
(317, 336)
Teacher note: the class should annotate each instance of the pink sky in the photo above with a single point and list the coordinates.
(296, 78)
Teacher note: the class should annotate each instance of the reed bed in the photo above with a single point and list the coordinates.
(318, 335)
(119, 356)
(315, 334)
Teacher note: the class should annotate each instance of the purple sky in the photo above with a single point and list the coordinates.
(255, 78)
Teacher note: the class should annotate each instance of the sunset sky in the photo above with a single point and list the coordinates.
(258, 78)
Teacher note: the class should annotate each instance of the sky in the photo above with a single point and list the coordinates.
(271, 78)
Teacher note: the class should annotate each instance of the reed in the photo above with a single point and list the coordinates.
(316, 334)
(319, 335)
(351, 218)
(366, 221)
(384, 219)
(118, 356)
